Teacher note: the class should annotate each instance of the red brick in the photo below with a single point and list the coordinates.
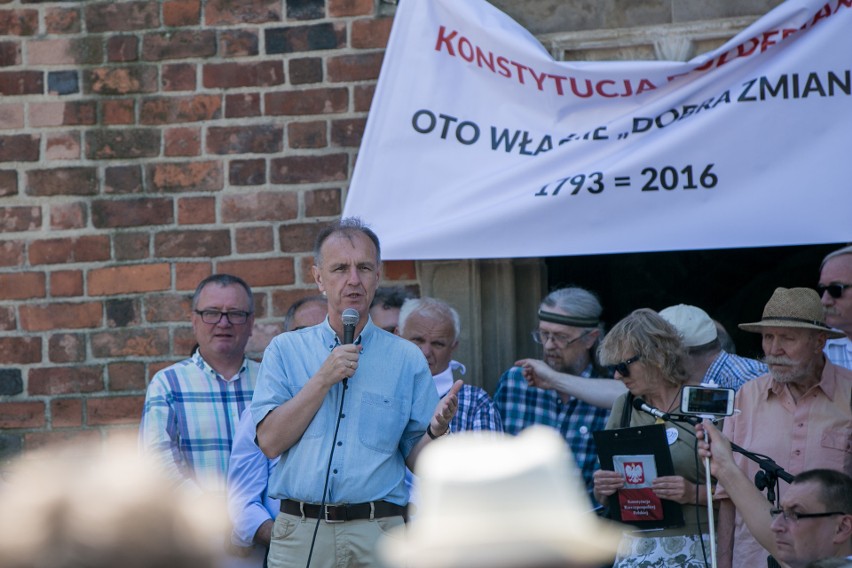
(308, 101)
(11, 253)
(22, 285)
(66, 412)
(52, 381)
(62, 20)
(252, 240)
(299, 237)
(62, 251)
(64, 51)
(62, 146)
(15, 219)
(312, 37)
(305, 265)
(259, 206)
(10, 53)
(20, 350)
(179, 77)
(131, 246)
(66, 348)
(182, 12)
(126, 376)
(371, 33)
(261, 272)
(252, 139)
(111, 17)
(8, 183)
(196, 210)
(66, 283)
(363, 97)
(189, 274)
(167, 307)
(236, 75)
(310, 169)
(283, 299)
(305, 70)
(123, 179)
(15, 415)
(241, 12)
(62, 181)
(131, 279)
(242, 105)
(18, 22)
(185, 176)
(399, 270)
(247, 172)
(171, 110)
(118, 111)
(124, 312)
(238, 43)
(120, 80)
(109, 214)
(75, 113)
(182, 142)
(127, 143)
(343, 8)
(19, 148)
(8, 322)
(347, 133)
(114, 410)
(43, 317)
(305, 135)
(11, 116)
(184, 341)
(322, 203)
(180, 44)
(59, 438)
(65, 216)
(130, 343)
(122, 48)
(359, 67)
(192, 244)
(14, 83)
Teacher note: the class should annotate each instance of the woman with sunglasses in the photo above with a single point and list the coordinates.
(645, 352)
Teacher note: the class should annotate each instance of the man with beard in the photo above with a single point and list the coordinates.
(835, 289)
(569, 330)
(798, 414)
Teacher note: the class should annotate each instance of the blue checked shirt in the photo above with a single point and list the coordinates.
(189, 419)
(476, 411)
(733, 371)
(521, 405)
(839, 352)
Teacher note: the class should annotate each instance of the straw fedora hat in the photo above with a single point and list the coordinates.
(793, 307)
(501, 501)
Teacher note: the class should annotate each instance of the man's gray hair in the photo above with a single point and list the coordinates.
(576, 302)
(429, 307)
(348, 227)
(834, 254)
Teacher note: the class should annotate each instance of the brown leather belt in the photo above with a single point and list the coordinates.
(345, 512)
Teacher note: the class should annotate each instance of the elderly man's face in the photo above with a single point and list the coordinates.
(802, 541)
(566, 348)
(222, 339)
(838, 311)
(435, 336)
(792, 354)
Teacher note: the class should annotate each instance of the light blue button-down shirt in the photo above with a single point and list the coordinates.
(388, 405)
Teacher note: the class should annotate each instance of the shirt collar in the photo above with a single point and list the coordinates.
(330, 338)
(445, 379)
(205, 366)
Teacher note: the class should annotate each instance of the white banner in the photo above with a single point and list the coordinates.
(479, 145)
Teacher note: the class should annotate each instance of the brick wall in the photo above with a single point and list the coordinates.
(143, 146)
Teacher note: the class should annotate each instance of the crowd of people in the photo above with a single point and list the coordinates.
(334, 450)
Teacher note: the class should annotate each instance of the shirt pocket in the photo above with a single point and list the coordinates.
(839, 439)
(381, 422)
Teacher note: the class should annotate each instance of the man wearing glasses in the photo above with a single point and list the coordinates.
(569, 330)
(192, 407)
(835, 290)
(814, 521)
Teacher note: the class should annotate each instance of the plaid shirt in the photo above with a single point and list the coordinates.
(475, 411)
(733, 371)
(521, 405)
(189, 419)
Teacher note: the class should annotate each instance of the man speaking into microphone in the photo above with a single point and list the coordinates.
(346, 418)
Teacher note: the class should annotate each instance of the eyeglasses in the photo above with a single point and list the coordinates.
(794, 517)
(623, 368)
(215, 316)
(559, 339)
(835, 289)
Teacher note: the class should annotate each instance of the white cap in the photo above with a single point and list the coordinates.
(694, 325)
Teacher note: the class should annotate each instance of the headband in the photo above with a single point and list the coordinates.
(562, 319)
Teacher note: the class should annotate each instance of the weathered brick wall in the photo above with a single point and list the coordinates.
(144, 145)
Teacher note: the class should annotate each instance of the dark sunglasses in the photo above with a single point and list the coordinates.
(623, 368)
(834, 290)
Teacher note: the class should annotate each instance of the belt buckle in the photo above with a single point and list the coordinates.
(326, 511)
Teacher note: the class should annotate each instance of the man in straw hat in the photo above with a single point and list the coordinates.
(505, 502)
(798, 414)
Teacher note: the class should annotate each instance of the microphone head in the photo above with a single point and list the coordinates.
(638, 403)
(350, 316)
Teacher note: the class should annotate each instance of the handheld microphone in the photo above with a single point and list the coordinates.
(640, 404)
(350, 317)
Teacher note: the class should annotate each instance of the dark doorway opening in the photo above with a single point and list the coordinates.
(732, 285)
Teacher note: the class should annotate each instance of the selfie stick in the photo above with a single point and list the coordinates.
(710, 519)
